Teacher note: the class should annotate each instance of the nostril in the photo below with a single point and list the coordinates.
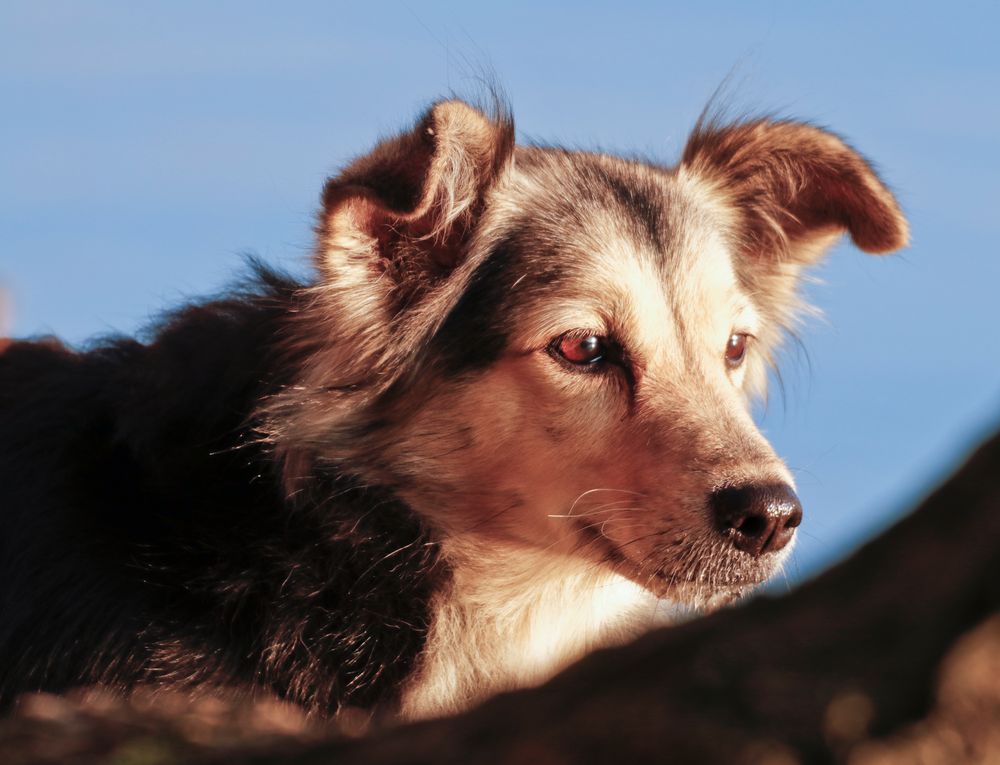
(757, 519)
(730, 506)
(750, 525)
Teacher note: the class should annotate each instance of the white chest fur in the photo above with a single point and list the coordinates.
(513, 618)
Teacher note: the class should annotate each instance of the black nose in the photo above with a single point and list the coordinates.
(758, 519)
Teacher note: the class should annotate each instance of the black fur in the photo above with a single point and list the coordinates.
(473, 334)
(146, 536)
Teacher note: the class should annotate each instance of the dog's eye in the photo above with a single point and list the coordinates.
(736, 349)
(582, 350)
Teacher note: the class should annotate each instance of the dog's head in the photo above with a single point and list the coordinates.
(558, 349)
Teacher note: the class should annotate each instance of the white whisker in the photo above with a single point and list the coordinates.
(591, 491)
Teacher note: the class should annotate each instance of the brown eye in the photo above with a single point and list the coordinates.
(588, 349)
(736, 349)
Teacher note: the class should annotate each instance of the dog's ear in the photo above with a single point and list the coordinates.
(793, 187)
(402, 215)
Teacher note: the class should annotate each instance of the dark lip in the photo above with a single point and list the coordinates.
(631, 569)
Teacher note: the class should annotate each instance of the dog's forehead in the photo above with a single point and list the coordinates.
(585, 241)
(582, 216)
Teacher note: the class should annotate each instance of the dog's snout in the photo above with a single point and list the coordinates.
(757, 519)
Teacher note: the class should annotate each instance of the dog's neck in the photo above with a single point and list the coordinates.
(513, 617)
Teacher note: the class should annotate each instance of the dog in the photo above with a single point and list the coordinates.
(505, 422)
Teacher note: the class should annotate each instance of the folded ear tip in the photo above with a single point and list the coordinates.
(454, 105)
(452, 113)
(487, 135)
(883, 233)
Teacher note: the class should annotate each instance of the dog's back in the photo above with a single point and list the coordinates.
(96, 470)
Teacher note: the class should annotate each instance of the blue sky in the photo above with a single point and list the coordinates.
(144, 147)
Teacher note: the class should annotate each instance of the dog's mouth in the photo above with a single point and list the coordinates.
(720, 575)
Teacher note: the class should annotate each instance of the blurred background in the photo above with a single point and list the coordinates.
(145, 147)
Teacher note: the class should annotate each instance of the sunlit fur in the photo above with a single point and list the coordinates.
(384, 488)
